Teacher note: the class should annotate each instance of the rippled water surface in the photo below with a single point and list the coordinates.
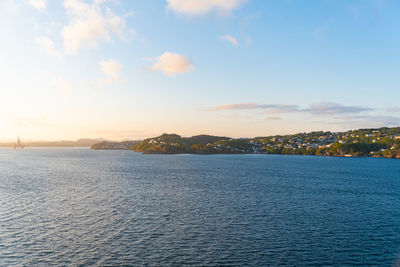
(82, 207)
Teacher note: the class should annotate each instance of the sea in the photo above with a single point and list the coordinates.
(82, 207)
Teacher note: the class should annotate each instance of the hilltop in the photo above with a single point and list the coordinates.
(173, 144)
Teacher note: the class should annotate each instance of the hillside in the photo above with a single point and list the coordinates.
(126, 145)
(379, 142)
(173, 143)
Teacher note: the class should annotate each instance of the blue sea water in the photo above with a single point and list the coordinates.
(80, 207)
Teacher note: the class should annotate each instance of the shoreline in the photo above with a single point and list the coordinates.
(211, 154)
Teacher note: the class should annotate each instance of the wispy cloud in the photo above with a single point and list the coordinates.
(112, 69)
(38, 4)
(202, 7)
(171, 64)
(48, 45)
(326, 108)
(323, 108)
(346, 116)
(235, 106)
(359, 121)
(270, 107)
(230, 39)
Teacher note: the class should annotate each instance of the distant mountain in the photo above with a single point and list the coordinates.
(7, 144)
(84, 142)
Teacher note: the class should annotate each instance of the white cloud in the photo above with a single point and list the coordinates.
(171, 64)
(230, 39)
(90, 24)
(48, 45)
(38, 4)
(112, 69)
(201, 7)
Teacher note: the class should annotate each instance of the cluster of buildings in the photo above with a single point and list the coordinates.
(374, 142)
(385, 138)
(298, 141)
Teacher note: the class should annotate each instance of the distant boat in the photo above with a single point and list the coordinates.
(18, 144)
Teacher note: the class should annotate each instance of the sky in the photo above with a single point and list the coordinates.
(120, 69)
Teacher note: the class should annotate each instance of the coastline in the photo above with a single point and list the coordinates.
(211, 154)
(378, 143)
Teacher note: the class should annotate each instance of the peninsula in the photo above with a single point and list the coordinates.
(379, 142)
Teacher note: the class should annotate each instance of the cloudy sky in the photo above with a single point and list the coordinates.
(123, 69)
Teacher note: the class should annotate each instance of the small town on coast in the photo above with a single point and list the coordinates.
(379, 142)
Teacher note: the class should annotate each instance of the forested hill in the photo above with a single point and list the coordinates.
(173, 143)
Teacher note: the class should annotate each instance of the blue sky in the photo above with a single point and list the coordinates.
(133, 69)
